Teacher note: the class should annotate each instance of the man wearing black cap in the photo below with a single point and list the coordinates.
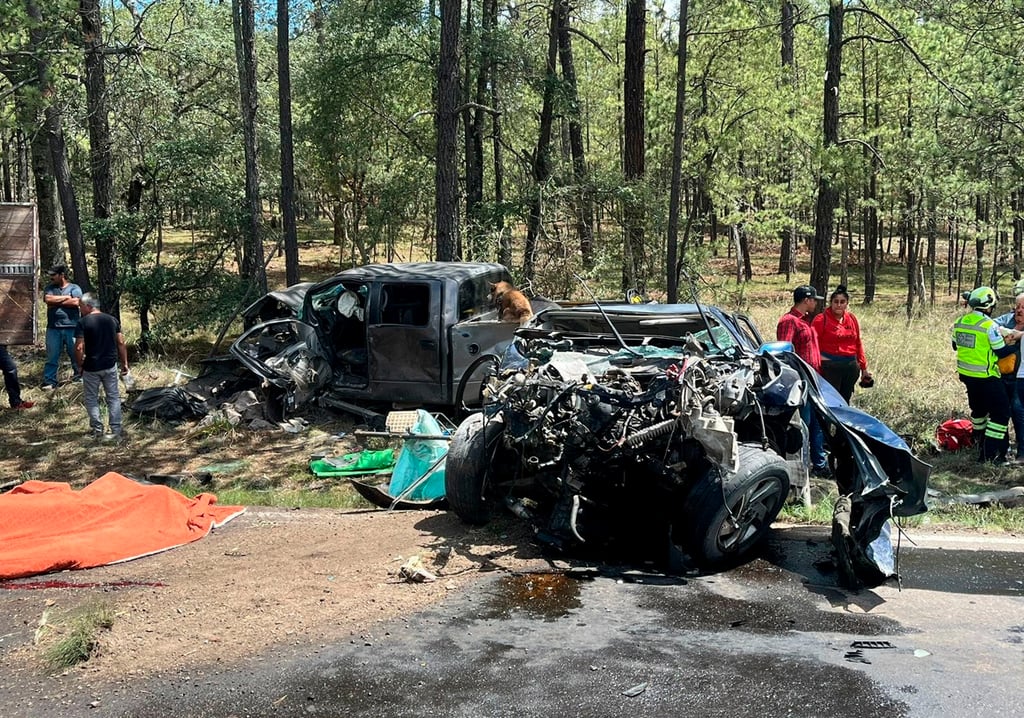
(62, 314)
(794, 328)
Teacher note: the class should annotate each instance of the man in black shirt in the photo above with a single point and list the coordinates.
(99, 347)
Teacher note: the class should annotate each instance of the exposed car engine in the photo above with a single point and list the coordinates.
(689, 443)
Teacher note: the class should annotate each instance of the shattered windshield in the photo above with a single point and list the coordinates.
(719, 337)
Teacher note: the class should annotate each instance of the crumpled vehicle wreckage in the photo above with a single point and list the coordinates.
(672, 425)
(412, 334)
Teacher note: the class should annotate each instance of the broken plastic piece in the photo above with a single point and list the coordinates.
(635, 690)
(414, 571)
(856, 657)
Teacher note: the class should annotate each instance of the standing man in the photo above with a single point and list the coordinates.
(11, 383)
(62, 313)
(794, 328)
(99, 347)
(979, 345)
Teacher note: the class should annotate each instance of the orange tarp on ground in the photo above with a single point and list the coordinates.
(47, 526)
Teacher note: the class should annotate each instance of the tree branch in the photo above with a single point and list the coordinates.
(592, 41)
(862, 143)
(477, 106)
(873, 38)
(958, 95)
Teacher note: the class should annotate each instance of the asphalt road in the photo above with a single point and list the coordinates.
(775, 637)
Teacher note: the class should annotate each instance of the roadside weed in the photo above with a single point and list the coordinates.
(75, 639)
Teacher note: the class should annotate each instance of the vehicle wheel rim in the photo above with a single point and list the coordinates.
(751, 511)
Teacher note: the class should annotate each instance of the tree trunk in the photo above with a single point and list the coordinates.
(7, 156)
(542, 155)
(634, 273)
(979, 266)
(51, 246)
(584, 209)
(1017, 206)
(284, 103)
(252, 267)
(844, 247)
(504, 238)
(932, 229)
(979, 242)
(741, 243)
(446, 121)
(673, 261)
(21, 148)
(869, 221)
(787, 254)
(472, 125)
(911, 241)
(99, 154)
(38, 108)
(828, 189)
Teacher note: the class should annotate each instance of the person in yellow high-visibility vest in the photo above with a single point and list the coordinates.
(979, 344)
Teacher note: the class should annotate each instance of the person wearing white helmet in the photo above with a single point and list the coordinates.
(979, 345)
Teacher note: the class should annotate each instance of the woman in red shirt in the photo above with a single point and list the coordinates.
(842, 353)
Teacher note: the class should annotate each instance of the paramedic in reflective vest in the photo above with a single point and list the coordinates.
(979, 345)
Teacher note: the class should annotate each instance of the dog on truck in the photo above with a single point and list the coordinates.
(512, 305)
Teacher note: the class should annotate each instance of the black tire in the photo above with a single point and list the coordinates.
(718, 534)
(468, 467)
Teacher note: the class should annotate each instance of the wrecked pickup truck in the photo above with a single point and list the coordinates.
(671, 427)
(399, 334)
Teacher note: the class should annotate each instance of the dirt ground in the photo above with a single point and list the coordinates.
(271, 577)
(300, 578)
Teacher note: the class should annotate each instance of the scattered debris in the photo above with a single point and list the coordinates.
(203, 478)
(856, 657)
(871, 644)
(359, 463)
(414, 571)
(635, 690)
(1009, 498)
(443, 556)
(921, 653)
(294, 425)
(172, 404)
(223, 468)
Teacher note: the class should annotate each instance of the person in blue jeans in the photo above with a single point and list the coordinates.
(62, 314)
(794, 328)
(99, 348)
(11, 383)
(1013, 382)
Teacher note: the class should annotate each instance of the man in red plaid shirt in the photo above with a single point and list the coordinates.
(794, 328)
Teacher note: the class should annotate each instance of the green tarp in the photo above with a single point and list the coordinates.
(359, 464)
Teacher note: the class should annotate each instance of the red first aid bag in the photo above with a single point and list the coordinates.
(955, 434)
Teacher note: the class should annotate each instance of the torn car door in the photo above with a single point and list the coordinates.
(286, 354)
(404, 341)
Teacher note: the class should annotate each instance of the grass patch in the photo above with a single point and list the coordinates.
(960, 516)
(819, 512)
(331, 494)
(953, 516)
(75, 640)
